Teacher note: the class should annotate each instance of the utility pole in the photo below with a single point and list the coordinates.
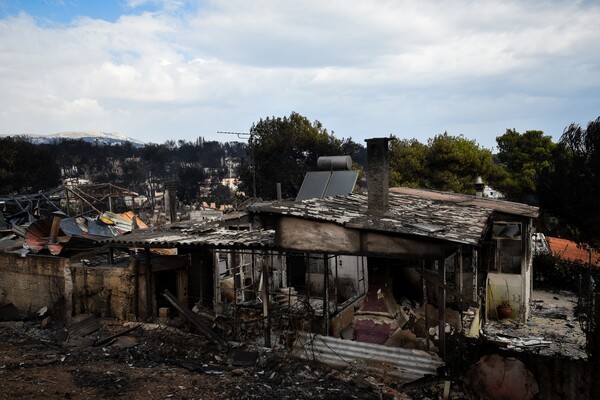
(250, 137)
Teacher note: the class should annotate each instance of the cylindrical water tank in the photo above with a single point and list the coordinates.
(334, 162)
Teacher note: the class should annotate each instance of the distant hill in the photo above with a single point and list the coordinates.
(87, 136)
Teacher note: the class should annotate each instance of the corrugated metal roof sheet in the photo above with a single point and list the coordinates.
(406, 365)
(408, 215)
(215, 238)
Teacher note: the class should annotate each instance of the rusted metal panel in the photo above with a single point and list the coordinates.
(404, 365)
(45, 234)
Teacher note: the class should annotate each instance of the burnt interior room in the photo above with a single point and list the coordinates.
(200, 276)
(296, 270)
(398, 276)
(165, 280)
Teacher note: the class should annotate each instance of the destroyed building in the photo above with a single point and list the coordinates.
(385, 277)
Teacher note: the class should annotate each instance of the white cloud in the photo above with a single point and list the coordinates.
(366, 67)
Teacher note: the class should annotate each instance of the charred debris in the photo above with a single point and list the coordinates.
(400, 283)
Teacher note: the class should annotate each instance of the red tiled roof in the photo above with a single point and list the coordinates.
(570, 251)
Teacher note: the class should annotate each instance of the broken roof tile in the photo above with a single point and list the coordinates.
(408, 214)
(221, 237)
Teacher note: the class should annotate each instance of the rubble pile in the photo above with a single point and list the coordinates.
(551, 330)
(156, 361)
(33, 223)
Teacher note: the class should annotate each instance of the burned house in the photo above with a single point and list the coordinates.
(398, 267)
(428, 250)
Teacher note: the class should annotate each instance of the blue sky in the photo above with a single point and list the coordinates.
(179, 69)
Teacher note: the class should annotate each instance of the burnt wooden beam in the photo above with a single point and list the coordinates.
(110, 338)
(325, 295)
(266, 303)
(149, 288)
(442, 307)
(202, 326)
(431, 278)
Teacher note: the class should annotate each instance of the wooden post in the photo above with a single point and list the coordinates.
(325, 296)
(182, 286)
(217, 301)
(336, 282)
(425, 304)
(235, 291)
(307, 269)
(442, 308)
(460, 286)
(68, 207)
(475, 284)
(266, 305)
(149, 307)
(136, 287)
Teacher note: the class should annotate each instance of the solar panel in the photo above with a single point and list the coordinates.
(314, 185)
(341, 183)
(319, 184)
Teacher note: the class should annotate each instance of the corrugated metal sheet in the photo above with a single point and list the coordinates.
(259, 238)
(404, 365)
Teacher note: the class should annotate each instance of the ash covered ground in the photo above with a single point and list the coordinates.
(167, 363)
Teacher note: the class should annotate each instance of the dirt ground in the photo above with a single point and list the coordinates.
(552, 328)
(48, 361)
(166, 363)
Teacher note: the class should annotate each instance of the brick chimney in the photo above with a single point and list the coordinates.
(378, 175)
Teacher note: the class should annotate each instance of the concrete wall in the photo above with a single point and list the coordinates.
(504, 287)
(104, 290)
(33, 282)
(70, 288)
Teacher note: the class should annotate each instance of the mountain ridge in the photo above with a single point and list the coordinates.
(89, 136)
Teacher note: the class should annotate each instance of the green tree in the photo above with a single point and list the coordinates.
(525, 157)
(408, 162)
(571, 190)
(455, 162)
(284, 149)
(446, 162)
